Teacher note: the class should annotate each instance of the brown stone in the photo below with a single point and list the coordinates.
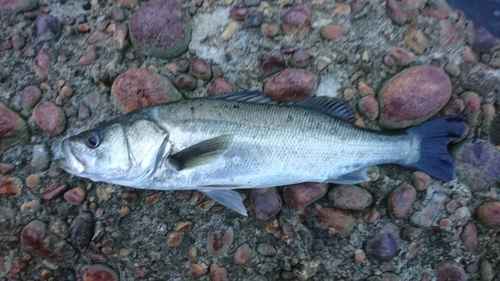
(175, 239)
(396, 12)
(265, 203)
(87, 58)
(400, 201)
(219, 86)
(218, 273)
(50, 118)
(297, 20)
(302, 194)
(291, 84)
(197, 270)
(489, 214)
(74, 196)
(98, 272)
(332, 32)
(243, 254)
(402, 56)
(414, 37)
(420, 180)
(219, 242)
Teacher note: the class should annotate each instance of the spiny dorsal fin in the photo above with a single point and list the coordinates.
(325, 105)
(200, 153)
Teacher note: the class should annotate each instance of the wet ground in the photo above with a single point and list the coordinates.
(61, 65)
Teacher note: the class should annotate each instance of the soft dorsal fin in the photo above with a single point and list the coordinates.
(200, 153)
(325, 105)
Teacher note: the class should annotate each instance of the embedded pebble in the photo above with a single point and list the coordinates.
(238, 13)
(332, 32)
(413, 95)
(300, 195)
(301, 58)
(243, 254)
(32, 180)
(308, 269)
(489, 214)
(183, 226)
(180, 65)
(219, 241)
(420, 180)
(98, 272)
(13, 129)
(252, 19)
(415, 38)
(396, 11)
(350, 197)
(30, 96)
(40, 158)
(402, 56)
(45, 28)
(291, 84)
(472, 107)
(359, 255)
(37, 240)
(10, 186)
(231, 28)
(42, 63)
(265, 203)
(160, 28)
(368, 107)
(450, 270)
(59, 228)
(199, 68)
(74, 196)
(17, 267)
(138, 88)
(269, 29)
(272, 63)
(484, 41)
(477, 164)
(469, 237)
(54, 190)
(333, 220)
(87, 58)
(82, 230)
(197, 270)
(297, 20)
(400, 201)
(428, 214)
(30, 207)
(175, 238)
(384, 246)
(218, 273)
(6, 168)
(15, 7)
(50, 118)
(454, 107)
(185, 82)
(219, 86)
(266, 250)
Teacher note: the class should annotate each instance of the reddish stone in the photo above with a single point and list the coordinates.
(239, 13)
(42, 63)
(421, 181)
(332, 32)
(469, 237)
(301, 58)
(489, 214)
(30, 96)
(297, 20)
(17, 266)
(396, 12)
(402, 56)
(291, 84)
(197, 270)
(451, 34)
(265, 203)
(17, 6)
(50, 118)
(472, 104)
(13, 128)
(87, 58)
(74, 196)
(9, 186)
(437, 13)
(401, 201)
(98, 272)
(450, 270)
(219, 86)
(218, 273)
(350, 197)
(243, 254)
(302, 194)
(272, 63)
(414, 37)
(219, 242)
(185, 82)
(138, 88)
(332, 220)
(368, 107)
(201, 69)
(54, 190)
(6, 168)
(454, 107)
(413, 96)
(161, 28)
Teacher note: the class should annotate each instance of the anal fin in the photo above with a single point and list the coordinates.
(228, 198)
(357, 176)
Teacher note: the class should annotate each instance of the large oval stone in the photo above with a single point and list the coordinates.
(13, 128)
(413, 96)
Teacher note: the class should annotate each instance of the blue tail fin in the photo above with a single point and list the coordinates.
(435, 136)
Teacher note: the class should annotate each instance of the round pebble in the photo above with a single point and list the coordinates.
(385, 245)
(477, 164)
(469, 237)
(252, 19)
(368, 107)
(302, 194)
(219, 241)
(401, 201)
(332, 32)
(45, 28)
(197, 270)
(243, 254)
(50, 118)
(421, 181)
(13, 128)
(138, 88)
(396, 11)
(454, 107)
(87, 58)
(291, 84)
(185, 82)
(219, 86)
(489, 214)
(238, 13)
(40, 159)
(472, 107)
(272, 63)
(42, 63)
(450, 270)
(82, 230)
(218, 273)
(74, 196)
(266, 250)
(32, 180)
(350, 197)
(30, 96)
(412, 96)
(402, 57)
(297, 20)
(160, 28)
(269, 29)
(98, 272)
(199, 68)
(265, 203)
(301, 58)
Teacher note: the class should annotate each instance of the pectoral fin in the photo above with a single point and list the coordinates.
(200, 153)
(357, 176)
(227, 197)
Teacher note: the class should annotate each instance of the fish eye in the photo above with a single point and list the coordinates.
(93, 140)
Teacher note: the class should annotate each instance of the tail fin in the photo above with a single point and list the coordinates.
(435, 136)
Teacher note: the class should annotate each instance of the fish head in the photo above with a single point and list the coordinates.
(123, 151)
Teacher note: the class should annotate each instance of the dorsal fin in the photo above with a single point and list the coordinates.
(325, 105)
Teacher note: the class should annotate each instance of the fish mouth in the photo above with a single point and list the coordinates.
(70, 163)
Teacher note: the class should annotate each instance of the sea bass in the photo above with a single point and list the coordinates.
(246, 140)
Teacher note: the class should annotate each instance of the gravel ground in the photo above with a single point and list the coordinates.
(66, 66)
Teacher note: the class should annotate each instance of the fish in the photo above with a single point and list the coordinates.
(246, 140)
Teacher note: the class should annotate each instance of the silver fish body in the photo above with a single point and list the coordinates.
(216, 145)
